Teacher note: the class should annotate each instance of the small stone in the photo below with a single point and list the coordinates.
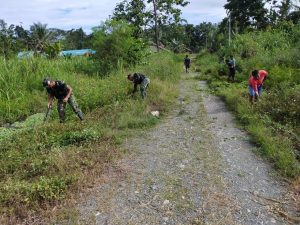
(154, 187)
(166, 202)
(273, 220)
(136, 192)
(166, 219)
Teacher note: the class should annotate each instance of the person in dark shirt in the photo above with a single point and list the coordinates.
(187, 63)
(139, 79)
(231, 63)
(64, 94)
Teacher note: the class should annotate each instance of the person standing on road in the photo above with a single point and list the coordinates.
(231, 67)
(64, 94)
(187, 63)
(139, 79)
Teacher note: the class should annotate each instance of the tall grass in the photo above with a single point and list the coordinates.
(42, 163)
(274, 120)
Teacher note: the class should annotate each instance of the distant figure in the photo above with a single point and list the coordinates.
(64, 94)
(253, 86)
(187, 63)
(231, 67)
(139, 79)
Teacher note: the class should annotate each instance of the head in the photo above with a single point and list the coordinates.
(231, 56)
(255, 74)
(130, 77)
(186, 56)
(47, 82)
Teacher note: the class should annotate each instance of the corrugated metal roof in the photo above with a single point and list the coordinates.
(77, 52)
(27, 54)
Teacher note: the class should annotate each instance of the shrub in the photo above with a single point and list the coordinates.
(116, 46)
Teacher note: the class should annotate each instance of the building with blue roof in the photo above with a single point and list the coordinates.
(81, 52)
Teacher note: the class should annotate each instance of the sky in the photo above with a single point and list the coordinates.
(69, 14)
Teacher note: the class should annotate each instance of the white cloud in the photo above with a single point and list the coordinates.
(68, 14)
(204, 11)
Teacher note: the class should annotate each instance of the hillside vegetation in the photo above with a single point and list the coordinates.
(41, 163)
(274, 121)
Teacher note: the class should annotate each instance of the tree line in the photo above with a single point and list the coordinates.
(156, 21)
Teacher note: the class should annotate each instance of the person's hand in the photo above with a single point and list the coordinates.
(65, 100)
(49, 105)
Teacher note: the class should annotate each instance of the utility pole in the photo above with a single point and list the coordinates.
(229, 28)
(156, 25)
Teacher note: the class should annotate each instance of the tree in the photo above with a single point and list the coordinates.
(163, 12)
(53, 50)
(22, 38)
(134, 13)
(76, 39)
(40, 37)
(284, 9)
(247, 13)
(7, 39)
(115, 46)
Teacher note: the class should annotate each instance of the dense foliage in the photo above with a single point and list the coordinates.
(41, 162)
(116, 46)
(274, 121)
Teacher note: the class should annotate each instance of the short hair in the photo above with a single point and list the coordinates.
(255, 73)
(45, 82)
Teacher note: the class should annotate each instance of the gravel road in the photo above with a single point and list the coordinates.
(195, 167)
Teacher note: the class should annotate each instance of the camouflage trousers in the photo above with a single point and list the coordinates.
(143, 87)
(61, 107)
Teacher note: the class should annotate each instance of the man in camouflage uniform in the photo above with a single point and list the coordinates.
(64, 94)
(139, 79)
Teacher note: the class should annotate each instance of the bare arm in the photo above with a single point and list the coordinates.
(69, 93)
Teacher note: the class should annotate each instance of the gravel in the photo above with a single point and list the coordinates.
(195, 167)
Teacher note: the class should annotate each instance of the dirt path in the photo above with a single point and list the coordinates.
(196, 167)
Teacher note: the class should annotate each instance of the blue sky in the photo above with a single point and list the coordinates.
(68, 14)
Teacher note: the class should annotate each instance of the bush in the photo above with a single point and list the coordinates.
(274, 120)
(116, 46)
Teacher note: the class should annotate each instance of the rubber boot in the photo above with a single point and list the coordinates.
(80, 115)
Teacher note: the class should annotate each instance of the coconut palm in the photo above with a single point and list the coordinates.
(40, 37)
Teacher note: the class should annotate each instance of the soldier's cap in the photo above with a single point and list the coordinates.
(45, 82)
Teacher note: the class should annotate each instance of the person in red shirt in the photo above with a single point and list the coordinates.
(253, 86)
(262, 74)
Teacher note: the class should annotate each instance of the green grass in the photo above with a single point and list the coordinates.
(275, 137)
(42, 163)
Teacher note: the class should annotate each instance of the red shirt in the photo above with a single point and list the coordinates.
(253, 83)
(262, 75)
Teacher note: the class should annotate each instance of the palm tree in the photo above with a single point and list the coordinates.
(40, 37)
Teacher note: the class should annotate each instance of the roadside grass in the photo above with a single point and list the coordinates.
(45, 164)
(276, 139)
